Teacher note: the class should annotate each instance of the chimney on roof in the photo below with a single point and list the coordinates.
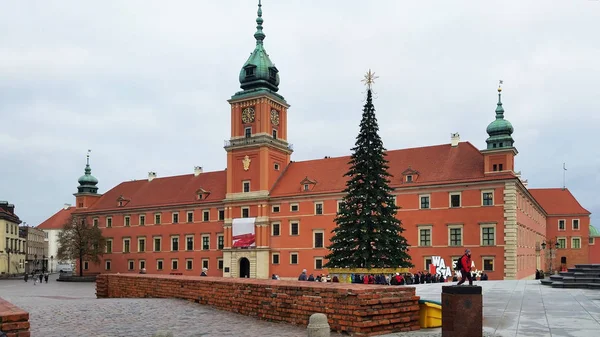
(66, 206)
(197, 170)
(151, 176)
(11, 208)
(454, 139)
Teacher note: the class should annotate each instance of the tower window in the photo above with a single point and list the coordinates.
(500, 167)
(272, 74)
(250, 71)
(274, 134)
(276, 166)
(495, 167)
(248, 132)
(246, 186)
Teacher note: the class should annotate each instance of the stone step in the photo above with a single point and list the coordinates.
(567, 273)
(594, 266)
(576, 285)
(546, 281)
(558, 277)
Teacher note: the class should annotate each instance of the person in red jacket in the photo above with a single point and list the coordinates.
(465, 268)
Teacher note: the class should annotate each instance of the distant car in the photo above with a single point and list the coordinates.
(64, 268)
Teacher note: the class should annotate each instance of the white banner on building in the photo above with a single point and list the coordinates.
(243, 232)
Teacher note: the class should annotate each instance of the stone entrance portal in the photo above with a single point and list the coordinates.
(244, 267)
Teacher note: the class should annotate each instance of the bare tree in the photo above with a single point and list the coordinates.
(80, 240)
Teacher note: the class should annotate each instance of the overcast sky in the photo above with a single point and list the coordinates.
(144, 84)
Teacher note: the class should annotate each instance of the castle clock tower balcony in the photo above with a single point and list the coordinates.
(258, 140)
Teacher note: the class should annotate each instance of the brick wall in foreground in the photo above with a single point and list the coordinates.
(14, 322)
(361, 310)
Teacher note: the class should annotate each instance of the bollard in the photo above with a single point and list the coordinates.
(462, 311)
(318, 326)
(162, 333)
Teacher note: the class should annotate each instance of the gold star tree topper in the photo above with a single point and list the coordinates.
(369, 79)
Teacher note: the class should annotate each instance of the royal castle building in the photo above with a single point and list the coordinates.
(266, 214)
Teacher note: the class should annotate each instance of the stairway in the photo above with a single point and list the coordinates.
(582, 276)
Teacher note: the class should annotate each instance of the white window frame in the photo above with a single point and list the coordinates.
(562, 238)
(338, 204)
(565, 225)
(138, 244)
(273, 259)
(244, 186)
(246, 131)
(322, 207)
(187, 216)
(140, 217)
(154, 241)
(409, 178)
(140, 262)
(276, 166)
(178, 243)
(112, 247)
(424, 196)
(193, 243)
(322, 263)
(573, 240)
(483, 259)
(484, 192)
(206, 263)
(430, 227)
(159, 218)
(272, 228)
(395, 198)
(126, 239)
(202, 242)
(204, 215)
(107, 264)
(86, 265)
(294, 222)
(578, 224)
(186, 264)
(297, 207)
(315, 231)
(592, 241)
(173, 217)
(273, 208)
(109, 222)
(242, 211)
(450, 199)
(487, 225)
(462, 235)
(127, 221)
(297, 258)
(175, 261)
(95, 222)
(162, 262)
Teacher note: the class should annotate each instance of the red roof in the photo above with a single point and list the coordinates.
(174, 190)
(58, 220)
(9, 216)
(557, 201)
(427, 165)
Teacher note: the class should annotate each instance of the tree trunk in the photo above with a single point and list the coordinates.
(80, 265)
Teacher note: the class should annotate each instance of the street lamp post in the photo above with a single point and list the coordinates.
(8, 251)
(552, 243)
(51, 263)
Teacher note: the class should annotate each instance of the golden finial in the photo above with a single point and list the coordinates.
(500, 86)
(369, 79)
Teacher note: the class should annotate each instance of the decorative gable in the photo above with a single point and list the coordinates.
(202, 194)
(410, 175)
(122, 201)
(307, 184)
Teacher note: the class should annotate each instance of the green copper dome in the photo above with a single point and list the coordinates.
(594, 232)
(259, 72)
(87, 182)
(500, 131)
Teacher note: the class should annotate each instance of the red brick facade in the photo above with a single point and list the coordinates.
(360, 310)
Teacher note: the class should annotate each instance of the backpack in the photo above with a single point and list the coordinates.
(458, 266)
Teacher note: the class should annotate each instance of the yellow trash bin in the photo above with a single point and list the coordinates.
(430, 314)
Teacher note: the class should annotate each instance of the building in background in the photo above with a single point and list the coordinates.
(52, 228)
(12, 245)
(594, 243)
(266, 214)
(36, 248)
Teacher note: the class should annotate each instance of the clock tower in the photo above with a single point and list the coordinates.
(257, 154)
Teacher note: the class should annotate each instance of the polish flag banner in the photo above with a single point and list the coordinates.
(243, 232)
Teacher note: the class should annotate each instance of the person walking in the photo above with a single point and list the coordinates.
(465, 268)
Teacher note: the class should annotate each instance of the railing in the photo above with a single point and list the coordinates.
(257, 140)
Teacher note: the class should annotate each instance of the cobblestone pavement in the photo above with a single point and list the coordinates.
(59, 309)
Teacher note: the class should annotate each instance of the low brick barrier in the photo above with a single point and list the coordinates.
(14, 322)
(357, 309)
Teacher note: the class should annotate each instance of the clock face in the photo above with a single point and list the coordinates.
(275, 117)
(248, 115)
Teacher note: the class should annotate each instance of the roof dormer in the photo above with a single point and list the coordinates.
(202, 194)
(122, 201)
(410, 176)
(307, 184)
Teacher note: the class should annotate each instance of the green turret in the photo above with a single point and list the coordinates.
(499, 131)
(259, 72)
(87, 182)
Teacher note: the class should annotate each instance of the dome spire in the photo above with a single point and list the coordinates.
(500, 130)
(259, 35)
(87, 182)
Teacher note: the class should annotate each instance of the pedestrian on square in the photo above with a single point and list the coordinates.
(465, 268)
(41, 277)
(46, 277)
(26, 277)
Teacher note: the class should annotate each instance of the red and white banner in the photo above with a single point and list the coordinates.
(243, 232)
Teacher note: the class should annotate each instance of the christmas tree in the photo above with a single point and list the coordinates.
(368, 234)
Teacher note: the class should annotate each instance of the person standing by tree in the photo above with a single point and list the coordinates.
(80, 241)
